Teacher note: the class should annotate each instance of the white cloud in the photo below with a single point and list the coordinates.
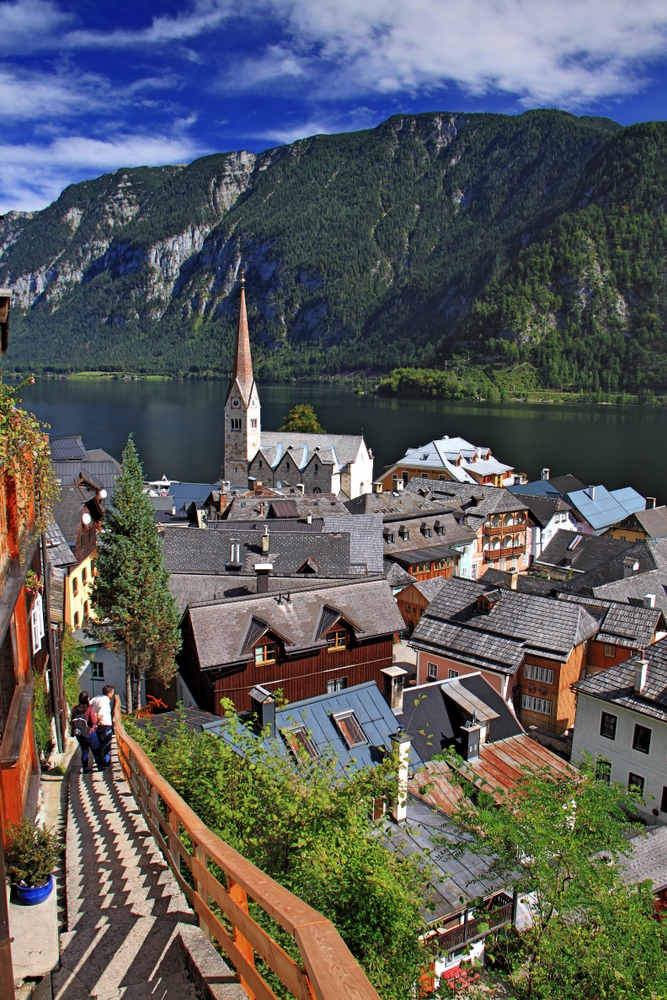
(562, 52)
(205, 16)
(33, 175)
(28, 25)
(356, 118)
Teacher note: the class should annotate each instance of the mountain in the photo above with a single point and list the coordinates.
(537, 239)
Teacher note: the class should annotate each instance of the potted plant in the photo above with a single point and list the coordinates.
(30, 857)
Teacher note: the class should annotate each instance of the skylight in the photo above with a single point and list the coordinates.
(298, 741)
(350, 729)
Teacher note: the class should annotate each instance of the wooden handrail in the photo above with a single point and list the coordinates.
(328, 970)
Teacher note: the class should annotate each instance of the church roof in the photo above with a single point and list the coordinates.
(337, 449)
(242, 373)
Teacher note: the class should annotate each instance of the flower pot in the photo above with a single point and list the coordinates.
(30, 895)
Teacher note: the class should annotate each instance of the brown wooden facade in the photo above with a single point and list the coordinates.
(297, 676)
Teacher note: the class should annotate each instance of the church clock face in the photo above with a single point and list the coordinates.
(253, 402)
(236, 402)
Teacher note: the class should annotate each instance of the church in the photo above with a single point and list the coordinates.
(314, 463)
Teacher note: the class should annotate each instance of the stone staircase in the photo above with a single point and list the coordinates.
(130, 933)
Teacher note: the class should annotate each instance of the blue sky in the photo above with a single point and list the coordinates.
(88, 86)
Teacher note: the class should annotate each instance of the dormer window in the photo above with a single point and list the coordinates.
(426, 530)
(265, 653)
(439, 528)
(389, 536)
(299, 742)
(403, 532)
(350, 730)
(336, 639)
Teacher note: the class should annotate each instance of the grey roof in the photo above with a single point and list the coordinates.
(525, 583)
(249, 505)
(412, 557)
(194, 588)
(647, 859)
(478, 502)
(186, 493)
(602, 508)
(430, 588)
(221, 629)
(396, 576)
(200, 550)
(395, 506)
(71, 460)
(67, 510)
(542, 509)
(634, 589)
(653, 521)
(275, 444)
(649, 554)
(365, 531)
(557, 486)
(420, 532)
(58, 551)
(434, 719)
(70, 448)
(616, 684)
(498, 639)
(579, 553)
(624, 625)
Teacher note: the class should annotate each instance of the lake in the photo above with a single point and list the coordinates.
(178, 427)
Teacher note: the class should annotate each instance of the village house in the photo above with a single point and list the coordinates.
(321, 463)
(78, 513)
(622, 722)
(414, 599)
(649, 523)
(72, 462)
(549, 486)
(303, 642)
(548, 515)
(448, 459)
(625, 629)
(530, 649)
(635, 575)
(500, 521)
(571, 554)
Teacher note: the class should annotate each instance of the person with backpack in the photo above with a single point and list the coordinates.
(83, 727)
(103, 706)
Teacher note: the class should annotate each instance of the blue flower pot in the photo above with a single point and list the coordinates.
(30, 895)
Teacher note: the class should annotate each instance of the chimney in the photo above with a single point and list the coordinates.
(173, 510)
(649, 600)
(591, 492)
(399, 485)
(512, 579)
(546, 473)
(225, 486)
(401, 741)
(309, 518)
(258, 486)
(265, 540)
(377, 487)
(641, 671)
(222, 502)
(470, 740)
(630, 566)
(394, 680)
(301, 488)
(651, 503)
(263, 705)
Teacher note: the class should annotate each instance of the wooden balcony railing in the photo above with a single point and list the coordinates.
(456, 937)
(328, 971)
(504, 529)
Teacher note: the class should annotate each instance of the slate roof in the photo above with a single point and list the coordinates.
(71, 460)
(203, 551)
(525, 584)
(434, 720)
(398, 505)
(194, 588)
(220, 629)
(653, 521)
(602, 508)
(444, 529)
(430, 588)
(67, 510)
(275, 444)
(426, 554)
(554, 487)
(621, 624)
(395, 575)
(365, 531)
(616, 684)
(58, 551)
(635, 589)
(478, 502)
(542, 509)
(647, 859)
(498, 640)
(649, 554)
(579, 553)
(246, 506)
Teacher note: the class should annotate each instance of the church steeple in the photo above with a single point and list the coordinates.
(242, 409)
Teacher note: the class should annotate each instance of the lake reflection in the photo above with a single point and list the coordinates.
(178, 427)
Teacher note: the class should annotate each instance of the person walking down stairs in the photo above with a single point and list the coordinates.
(84, 728)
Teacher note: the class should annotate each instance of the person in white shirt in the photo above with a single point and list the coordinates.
(102, 704)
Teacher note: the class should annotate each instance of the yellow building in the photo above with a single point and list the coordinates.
(78, 514)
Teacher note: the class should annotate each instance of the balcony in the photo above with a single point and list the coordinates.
(499, 914)
(509, 552)
(504, 529)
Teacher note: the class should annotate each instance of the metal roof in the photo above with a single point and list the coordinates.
(602, 508)
(70, 448)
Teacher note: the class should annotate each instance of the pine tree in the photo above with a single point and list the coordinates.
(131, 596)
(302, 418)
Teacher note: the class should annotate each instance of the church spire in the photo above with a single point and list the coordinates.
(243, 363)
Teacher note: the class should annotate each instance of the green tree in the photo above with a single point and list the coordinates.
(561, 839)
(131, 598)
(73, 653)
(303, 418)
(308, 826)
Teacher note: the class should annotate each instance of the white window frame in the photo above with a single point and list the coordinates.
(431, 671)
(540, 705)
(37, 623)
(543, 675)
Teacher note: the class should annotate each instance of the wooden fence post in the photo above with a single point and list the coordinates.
(238, 894)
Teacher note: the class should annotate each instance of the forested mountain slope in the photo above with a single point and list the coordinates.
(539, 237)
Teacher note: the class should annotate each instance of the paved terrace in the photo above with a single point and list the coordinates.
(130, 932)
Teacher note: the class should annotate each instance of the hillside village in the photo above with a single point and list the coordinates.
(477, 626)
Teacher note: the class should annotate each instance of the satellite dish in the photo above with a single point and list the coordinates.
(102, 494)
(86, 518)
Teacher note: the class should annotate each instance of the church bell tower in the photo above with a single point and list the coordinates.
(242, 409)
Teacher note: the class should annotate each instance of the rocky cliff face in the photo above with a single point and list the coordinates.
(371, 249)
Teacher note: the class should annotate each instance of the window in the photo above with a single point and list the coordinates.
(337, 684)
(97, 670)
(642, 739)
(84, 576)
(336, 639)
(541, 674)
(431, 671)
(608, 726)
(424, 475)
(603, 770)
(663, 800)
(609, 651)
(260, 464)
(453, 673)
(350, 729)
(253, 423)
(636, 781)
(37, 624)
(86, 609)
(298, 741)
(75, 585)
(265, 653)
(76, 619)
(538, 705)
(317, 468)
(235, 423)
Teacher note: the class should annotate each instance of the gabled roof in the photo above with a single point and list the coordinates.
(498, 639)
(579, 553)
(68, 510)
(616, 684)
(625, 625)
(542, 509)
(478, 502)
(445, 529)
(555, 487)
(602, 508)
(525, 584)
(646, 555)
(68, 448)
(219, 628)
(461, 459)
(653, 521)
(399, 505)
(275, 444)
